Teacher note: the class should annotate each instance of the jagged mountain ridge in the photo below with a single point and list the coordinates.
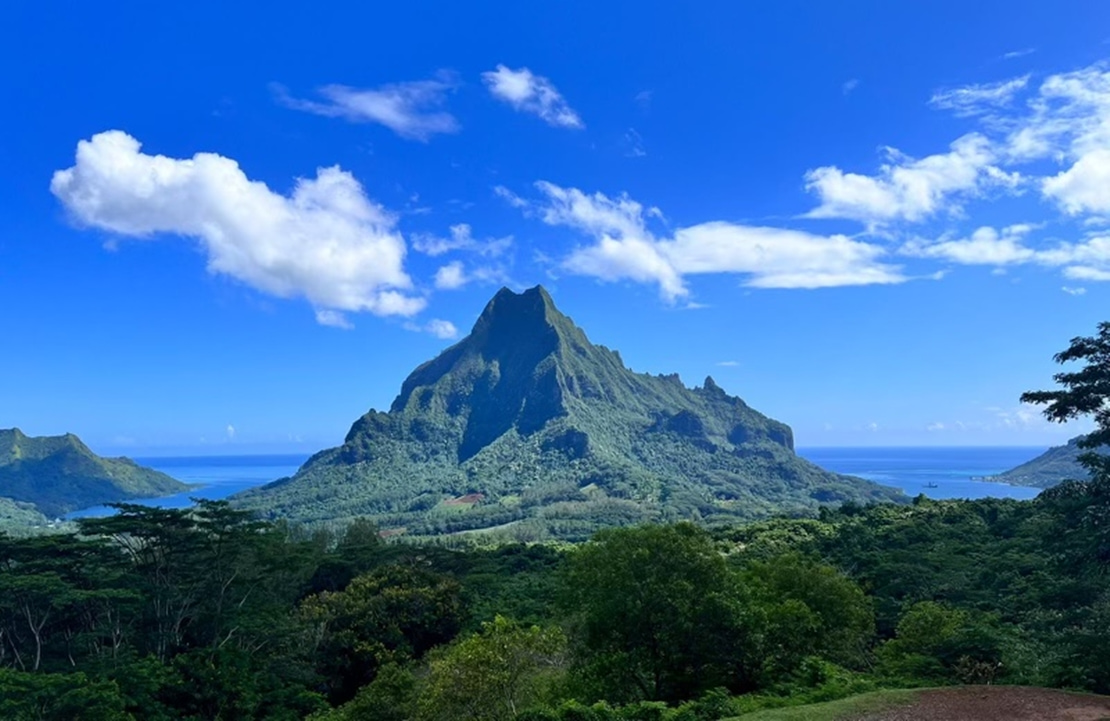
(558, 438)
(59, 474)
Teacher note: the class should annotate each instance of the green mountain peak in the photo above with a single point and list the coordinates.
(531, 418)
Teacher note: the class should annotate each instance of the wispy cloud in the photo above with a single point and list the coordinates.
(1018, 53)
(971, 100)
(633, 144)
(442, 329)
(408, 109)
(849, 86)
(460, 238)
(530, 93)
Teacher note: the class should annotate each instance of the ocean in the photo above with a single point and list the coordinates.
(913, 470)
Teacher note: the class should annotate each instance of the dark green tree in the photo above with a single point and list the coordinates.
(660, 616)
(1084, 505)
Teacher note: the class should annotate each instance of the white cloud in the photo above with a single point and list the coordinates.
(531, 93)
(333, 318)
(625, 248)
(230, 430)
(451, 276)
(407, 109)
(906, 188)
(985, 247)
(728, 364)
(634, 144)
(1082, 272)
(326, 242)
(979, 99)
(461, 239)
(443, 329)
(938, 426)
(1085, 186)
(1074, 291)
(1086, 260)
(849, 85)
(1018, 53)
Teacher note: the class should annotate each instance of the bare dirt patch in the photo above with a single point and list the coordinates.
(997, 703)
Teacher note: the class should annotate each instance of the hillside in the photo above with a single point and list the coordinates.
(1057, 464)
(59, 474)
(525, 422)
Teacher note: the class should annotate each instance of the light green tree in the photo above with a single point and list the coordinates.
(495, 674)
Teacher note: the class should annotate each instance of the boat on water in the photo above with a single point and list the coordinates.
(931, 485)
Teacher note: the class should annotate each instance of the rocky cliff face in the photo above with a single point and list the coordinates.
(558, 437)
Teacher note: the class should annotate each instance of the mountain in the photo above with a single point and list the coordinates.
(1057, 464)
(526, 426)
(59, 474)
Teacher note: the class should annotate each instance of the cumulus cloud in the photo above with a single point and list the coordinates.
(408, 109)
(624, 248)
(906, 188)
(451, 276)
(444, 329)
(326, 242)
(979, 99)
(460, 238)
(531, 93)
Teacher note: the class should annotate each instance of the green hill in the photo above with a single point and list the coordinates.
(526, 426)
(1059, 463)
(59, 474)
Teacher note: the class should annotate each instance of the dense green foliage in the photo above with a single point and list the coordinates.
(207, 614)
(59, 474)
(527, 431)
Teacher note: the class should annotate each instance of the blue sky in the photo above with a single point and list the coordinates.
(236, 229)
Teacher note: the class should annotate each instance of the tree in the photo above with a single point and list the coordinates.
(812, 609)
(1085, 506)
(495, 674)
(660, 615)
(393, 614)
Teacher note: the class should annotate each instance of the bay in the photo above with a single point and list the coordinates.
(214, 478)
(936, 472)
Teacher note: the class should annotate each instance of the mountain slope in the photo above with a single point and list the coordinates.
(1057, 464)
(59, 474)
(525, 422)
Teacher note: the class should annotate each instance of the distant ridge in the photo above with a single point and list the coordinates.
(1057, 464)
(526, 427)
(59, 474)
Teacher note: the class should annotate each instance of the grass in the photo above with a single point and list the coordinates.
(833, 710)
